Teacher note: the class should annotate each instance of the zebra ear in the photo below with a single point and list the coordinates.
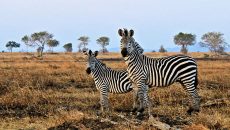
(95, 53)
(126, 32)
(85, 52)
(120, 32)
(90, 52)
(131, 33)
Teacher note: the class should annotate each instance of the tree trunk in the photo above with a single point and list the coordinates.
(42, 48)
(184, 49)
(84, 45)
(103, 47)
(27, 48)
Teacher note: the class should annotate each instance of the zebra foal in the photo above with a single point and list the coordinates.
(158, 72)
(108, 80)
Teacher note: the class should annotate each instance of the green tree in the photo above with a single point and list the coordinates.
(39, 39)
(162, 49)
(214, 41)
(26, 40)
(52, 44)
(68, 47)
(12, 44)
(103, 41)
(184, 40)
(84, 41)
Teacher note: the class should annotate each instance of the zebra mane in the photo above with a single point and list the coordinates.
(102, 64)
(137, 46)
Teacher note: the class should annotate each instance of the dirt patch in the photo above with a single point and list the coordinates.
(92, 124)
(20, 111)
(217, 103)
(178, 121)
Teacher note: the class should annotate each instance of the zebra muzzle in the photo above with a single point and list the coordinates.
(124, 52)
(88, 70)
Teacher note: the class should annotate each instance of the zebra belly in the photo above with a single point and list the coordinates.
(119, 85)
(157, 80)
(120, 89)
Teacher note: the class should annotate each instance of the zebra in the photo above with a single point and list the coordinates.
(159, 72)
(108, 80)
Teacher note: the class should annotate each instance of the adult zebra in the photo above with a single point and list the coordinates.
(158, 71)
(109, 80)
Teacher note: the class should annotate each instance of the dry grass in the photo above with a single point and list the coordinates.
(60, 95)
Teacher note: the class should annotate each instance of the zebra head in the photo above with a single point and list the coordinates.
(90, 60)
(128, 44)
(127, 41)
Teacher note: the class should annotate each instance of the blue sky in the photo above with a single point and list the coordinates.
(155, 22)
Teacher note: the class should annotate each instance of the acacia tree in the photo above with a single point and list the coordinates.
(103, 41)
(79, 47)
(39, 39)
(26, 40)
(68, 47)
(84, 41)
(214, 41)
(162, 49)
(52, 44)
(12, 44)
(184, 40)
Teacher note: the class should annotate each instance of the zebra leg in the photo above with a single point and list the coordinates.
(135, 100)
(195, 107)
(147, 102)
(104, 100)
(141, 95)
(195, 98)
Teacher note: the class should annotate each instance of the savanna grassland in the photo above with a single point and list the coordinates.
(56, 93)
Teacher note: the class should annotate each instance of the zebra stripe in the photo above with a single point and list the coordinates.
(159, 72)
(115, 81)
(108, 80)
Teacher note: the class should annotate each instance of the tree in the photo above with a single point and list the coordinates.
(26, 40)
(12, 44)
(162, 49)
(84, 42)
(68, 47)
(52, 44)
(184, 39)
(103, 41)
(79, 47)
(214, 41)
(39, 39)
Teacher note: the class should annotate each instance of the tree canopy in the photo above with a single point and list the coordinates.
(214, 41)
(184, 40)
(84, 41)
(68, 47)
(52, 44)
(39, 39)
(12, 44)
(103, 41)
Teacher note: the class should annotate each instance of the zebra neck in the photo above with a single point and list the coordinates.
(100, 67)
(134, 57)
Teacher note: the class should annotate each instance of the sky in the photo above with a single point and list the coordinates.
(155, 22)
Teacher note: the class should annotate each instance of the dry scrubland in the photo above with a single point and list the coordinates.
(35, 94)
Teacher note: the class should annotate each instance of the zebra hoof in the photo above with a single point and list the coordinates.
(191, 110)
(141, 110)
(140, 116)
(134, 110)
(98, 113)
